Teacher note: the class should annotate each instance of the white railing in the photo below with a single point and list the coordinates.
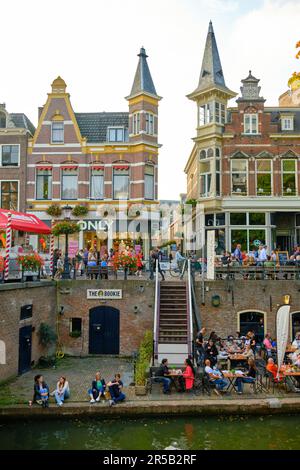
(156, 309)
(190, 306)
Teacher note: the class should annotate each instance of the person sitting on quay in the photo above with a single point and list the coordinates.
(249, 378)
(115, 387)
(272, 367)
(248, 352)
(98, 389)
(199, 344)
(40, 391)
(188, 375)
(62, 391)
(215, 376)
(161, 376)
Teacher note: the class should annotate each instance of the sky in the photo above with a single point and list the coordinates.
(94, 44)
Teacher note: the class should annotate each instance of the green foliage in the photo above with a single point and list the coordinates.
(75, 334)
(46, 334)
(79, 211)
(193, 202)
(65, 227)
(144, 356)
(169, 243)
(46, 361)
(54, 210)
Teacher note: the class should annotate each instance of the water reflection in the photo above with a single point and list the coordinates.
(233, 432)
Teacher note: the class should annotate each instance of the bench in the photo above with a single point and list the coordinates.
(99, 271)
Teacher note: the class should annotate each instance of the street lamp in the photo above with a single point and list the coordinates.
(67, 216)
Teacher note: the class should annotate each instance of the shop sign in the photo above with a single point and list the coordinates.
(94, 225)
(210, 254)
(73, 248)
(104, 294)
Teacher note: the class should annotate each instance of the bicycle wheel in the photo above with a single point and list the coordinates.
(175, 272)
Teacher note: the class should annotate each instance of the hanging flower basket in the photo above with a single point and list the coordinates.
(30, 262)
(80, 211)
(54, 210)
(65, 228)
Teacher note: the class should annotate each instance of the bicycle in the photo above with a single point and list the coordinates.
(178, 270)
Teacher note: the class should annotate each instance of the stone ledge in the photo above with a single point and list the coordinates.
(25, 285)
(154, 408)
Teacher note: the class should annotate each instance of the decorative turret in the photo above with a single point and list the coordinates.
(292, 96)
(211, 75)
(143, 104)
(58, 85)
(142, 83)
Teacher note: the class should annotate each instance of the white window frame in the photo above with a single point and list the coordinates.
(247, 177)
(90, 195)
(36, 186)
(116, 128)
(1, 150)
(150, 123)
(263, 172)
(153, 183)
(284, 121)
(295, 172)
(136, 123)
(113, 185)
(250, 116)
(10, 181)
(60, 142)
(62, 187)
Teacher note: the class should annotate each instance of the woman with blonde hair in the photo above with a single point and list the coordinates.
(62, 391)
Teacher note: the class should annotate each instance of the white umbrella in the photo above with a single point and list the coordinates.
(282, 327)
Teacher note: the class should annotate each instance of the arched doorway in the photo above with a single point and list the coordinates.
(295, 317)
(252, 320)
(104, 333)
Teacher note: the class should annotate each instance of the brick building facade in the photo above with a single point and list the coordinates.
(105, 161)
(15, 130)
(245, 164)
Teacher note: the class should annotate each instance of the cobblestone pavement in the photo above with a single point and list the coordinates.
(80, 372)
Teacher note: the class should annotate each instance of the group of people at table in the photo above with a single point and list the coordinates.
(242, 351)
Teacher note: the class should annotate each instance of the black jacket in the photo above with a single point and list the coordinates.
(94, 384)
(36, 391)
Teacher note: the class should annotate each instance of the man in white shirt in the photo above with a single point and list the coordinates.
(262, 254)
(215, 376)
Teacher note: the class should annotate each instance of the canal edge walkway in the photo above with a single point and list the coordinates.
(156, 408)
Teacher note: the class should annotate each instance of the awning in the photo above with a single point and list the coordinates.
(97, 168)
(25, 222)
(121, 167)
(69, 167)
(40, 168)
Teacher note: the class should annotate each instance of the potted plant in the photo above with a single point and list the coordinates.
(75, 334)
(30, 263)
(46, 334)
(142, 364)
(54, 210)
(126, 262)
(79, 211)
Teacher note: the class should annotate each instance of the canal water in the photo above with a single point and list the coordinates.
(222, 433)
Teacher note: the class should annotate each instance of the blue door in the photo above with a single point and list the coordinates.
(25, 335)
(104, 334)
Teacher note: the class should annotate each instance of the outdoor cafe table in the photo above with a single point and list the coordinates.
(231, 377)
(173, 375)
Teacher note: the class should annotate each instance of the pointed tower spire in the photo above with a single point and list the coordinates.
(143, 82)
(211, 74)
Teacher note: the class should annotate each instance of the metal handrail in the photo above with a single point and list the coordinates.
(190, 306)
(156, 310)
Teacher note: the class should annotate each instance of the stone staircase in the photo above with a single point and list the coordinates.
(173, 322)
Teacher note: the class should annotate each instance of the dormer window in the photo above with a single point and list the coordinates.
(57, 132)
(115, 134)
(287, 123)
(250, 124)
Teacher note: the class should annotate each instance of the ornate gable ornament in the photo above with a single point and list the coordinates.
(264, 154)
(239, 155)
(250, 90)
(289, 154)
